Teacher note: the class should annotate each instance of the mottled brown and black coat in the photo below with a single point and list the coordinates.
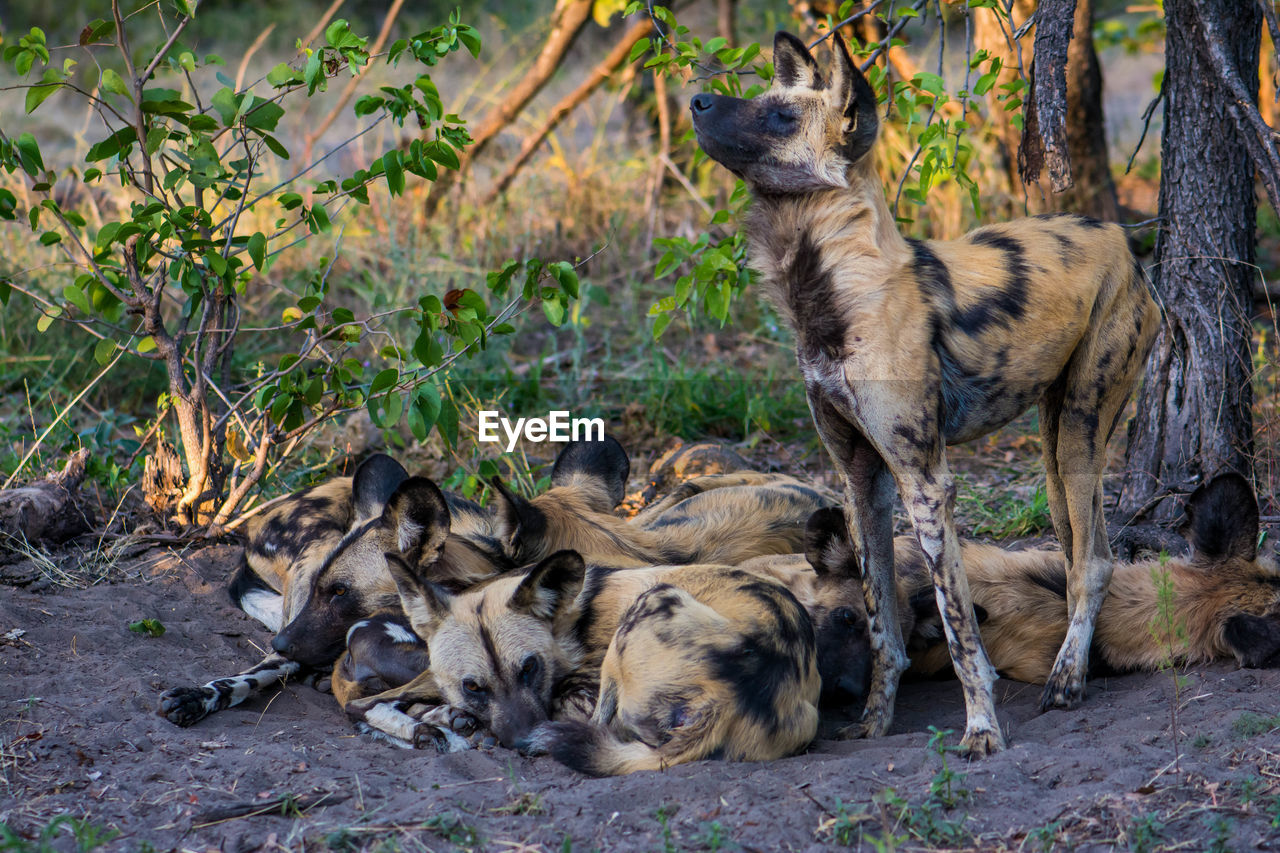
(908, 345)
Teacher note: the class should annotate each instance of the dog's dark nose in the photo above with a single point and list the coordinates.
(701, 103)
(281, 644)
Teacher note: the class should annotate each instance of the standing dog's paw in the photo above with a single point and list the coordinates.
(186, 706)
(979, 743)
(1062, 690)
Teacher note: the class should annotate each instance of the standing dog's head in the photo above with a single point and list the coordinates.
(800, 136)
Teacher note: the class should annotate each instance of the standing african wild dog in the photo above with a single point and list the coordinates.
(909, 345)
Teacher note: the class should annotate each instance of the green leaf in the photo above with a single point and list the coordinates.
(426, 408)
(49, 238)
(283, 75)
(564, 273)
(112, 145)
(470, 40)
(8, 204)
(103, 350)
(257, 247)
(150, 627)
(113, 82)
(447, 423)
(95, 30)
(443, 154)
(337, 32)
(384, 380)
(29, 154)
(37, 95)
(227, 103)
(276, 148)
(264, 116)
(289, 200)
(554, 309)
(155, 138)
(147, 344)
(660, 325)
(76, 297)
(395, 172)
(318, 219)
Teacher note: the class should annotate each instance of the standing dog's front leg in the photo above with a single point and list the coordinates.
(868, 512)
(929, 495)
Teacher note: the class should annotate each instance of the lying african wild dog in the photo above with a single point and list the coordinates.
(710, 662)
(1224, 594)
(909, 345)
(286, 546)
(587, 481)
(525, 647)
(308, 568)
(289, 564)
(701, 521)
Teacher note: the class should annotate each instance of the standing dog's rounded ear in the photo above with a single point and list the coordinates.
(793, 64)
(856, 99)
(417, 516)
(522, 528)
(826, 544)
(603, 464)
(1222, 519)
(373, 483)
(550, 585)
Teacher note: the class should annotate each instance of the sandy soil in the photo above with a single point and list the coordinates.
(78, 736)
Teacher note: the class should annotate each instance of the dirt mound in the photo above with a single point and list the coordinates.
(78, 736)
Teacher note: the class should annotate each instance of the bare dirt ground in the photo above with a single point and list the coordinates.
(78, 736)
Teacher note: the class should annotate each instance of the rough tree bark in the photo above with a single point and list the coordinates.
(1193, 416)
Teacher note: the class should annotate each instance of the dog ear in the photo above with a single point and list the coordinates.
(602, 466)
(522, 528)
(550, 585)
(793, 64)
(425, 603)
(1222, 519)
(854, 96)
(417, 517)
(1255, 640)
(375, 480)
(826, 544)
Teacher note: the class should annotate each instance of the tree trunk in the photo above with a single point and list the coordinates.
(1193, 416)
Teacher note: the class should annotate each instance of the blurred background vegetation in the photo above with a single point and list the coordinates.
(609, 184)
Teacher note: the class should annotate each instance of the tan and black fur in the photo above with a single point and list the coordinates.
(1225, 596)
(907, 346)
(286, 549)
(710, 662)
(486, 633)
(700, 522)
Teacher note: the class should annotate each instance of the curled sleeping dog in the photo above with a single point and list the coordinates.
(1225, 596)
(526, 647)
